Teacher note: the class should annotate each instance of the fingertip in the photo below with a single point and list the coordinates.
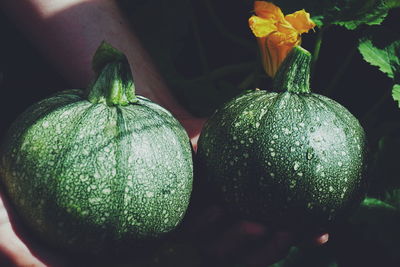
(313, 239)
(321, 239)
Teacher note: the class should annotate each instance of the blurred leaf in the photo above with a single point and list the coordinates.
(393, 197)
(170, 31)
(372, 211)
(378, 221)
(160, 24)
(385, 168)
(370, 12)
(347, 13)
(162, 27)
(396, 93)
(373, 203)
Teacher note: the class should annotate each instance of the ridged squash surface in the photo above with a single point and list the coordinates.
(86, 175)
(285, 158)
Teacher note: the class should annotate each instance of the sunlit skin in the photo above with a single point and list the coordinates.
(277, 34)
(68, 32)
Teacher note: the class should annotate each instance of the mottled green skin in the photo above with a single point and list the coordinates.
(85, 175)
(285, 158)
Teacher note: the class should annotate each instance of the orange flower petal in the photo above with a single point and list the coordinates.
(261, 27)
(279, 45)
(268, 10)
(276, 34)
(286, 28)
(300, 20)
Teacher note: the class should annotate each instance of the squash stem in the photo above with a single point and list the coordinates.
(113, 84)
(294, 73)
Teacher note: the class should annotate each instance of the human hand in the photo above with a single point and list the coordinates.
(223, 240)
(52, 26)
(19, 248)
(193, 126)
(15, 249)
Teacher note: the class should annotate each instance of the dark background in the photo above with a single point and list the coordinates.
(193, 50)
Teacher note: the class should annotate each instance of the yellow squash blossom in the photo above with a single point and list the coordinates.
(277, 34)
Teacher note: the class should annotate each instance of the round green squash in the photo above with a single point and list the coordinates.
(290, 158)
(107, 168)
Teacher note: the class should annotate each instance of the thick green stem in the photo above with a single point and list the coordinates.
(294, 73)
(113, 84)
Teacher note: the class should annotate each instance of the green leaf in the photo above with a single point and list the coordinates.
(375, 56)
(385, 169)
(370, 12)
(373, 203)
(396, 93)
(381, 48)
(347, 13)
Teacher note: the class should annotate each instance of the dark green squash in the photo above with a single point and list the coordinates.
(103, 168)
(288, 158)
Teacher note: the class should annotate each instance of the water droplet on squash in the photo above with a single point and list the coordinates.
(286, 131)
(149, 194)
(296, 165)
(310, 154)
